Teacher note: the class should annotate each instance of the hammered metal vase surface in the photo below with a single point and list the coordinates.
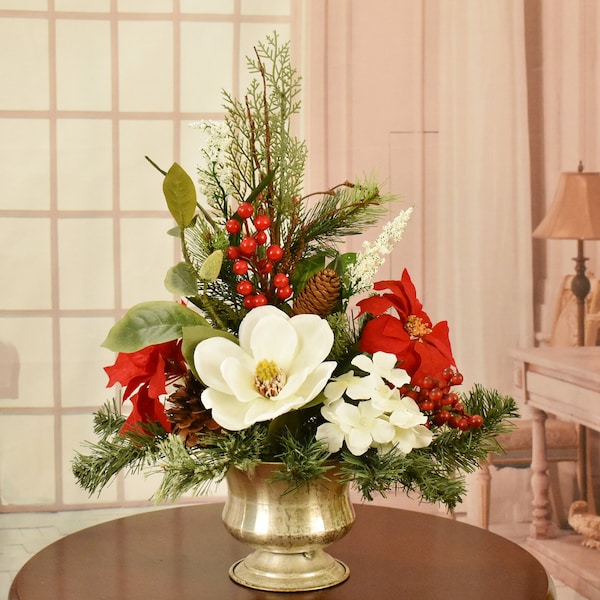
(287, 529)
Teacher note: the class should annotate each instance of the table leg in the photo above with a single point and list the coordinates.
(541, 523)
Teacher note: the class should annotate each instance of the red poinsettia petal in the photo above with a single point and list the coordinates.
(374, 305)
(440, 338)
(126, 367)
(158, 379)
(386, 334)
(435, 354)
(145, 410)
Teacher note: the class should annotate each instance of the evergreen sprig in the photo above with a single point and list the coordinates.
(436, 473)
(304, 459)
(129, 451)
(342, 212)
(195, 470)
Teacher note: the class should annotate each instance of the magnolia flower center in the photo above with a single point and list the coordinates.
(416, 328)
(269, 379)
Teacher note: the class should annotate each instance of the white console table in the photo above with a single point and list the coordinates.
(564, 382)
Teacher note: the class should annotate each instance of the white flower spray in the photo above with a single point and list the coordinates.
(215, 175)
(372, 256)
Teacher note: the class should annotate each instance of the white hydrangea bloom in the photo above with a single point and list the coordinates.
(372, 256)
(409, 428)
(381, 369)
(381, 419)
(359, 426)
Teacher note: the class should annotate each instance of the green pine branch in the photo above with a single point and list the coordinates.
(196, 469)
(131, 452)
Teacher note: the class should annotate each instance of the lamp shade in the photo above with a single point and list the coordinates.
(575, 212)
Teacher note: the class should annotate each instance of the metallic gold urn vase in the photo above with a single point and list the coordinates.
(287, 529)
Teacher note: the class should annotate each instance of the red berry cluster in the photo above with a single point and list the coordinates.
(254, 258)
(440, 404)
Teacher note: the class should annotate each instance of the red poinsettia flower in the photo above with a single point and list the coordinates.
(145, 375)
(422, 348)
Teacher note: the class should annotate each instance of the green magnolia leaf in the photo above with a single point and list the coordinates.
(210, 269)
(180, 194)
(306, 269)
(192, 336)
(181, 280)
(150, 323)
(341, 262)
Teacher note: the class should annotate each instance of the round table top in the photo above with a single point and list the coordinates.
(184, 553)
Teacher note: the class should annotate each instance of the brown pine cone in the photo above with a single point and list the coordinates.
(320, 294)
(187, 413)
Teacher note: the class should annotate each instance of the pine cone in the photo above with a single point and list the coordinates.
(320, 294)
(187, 413)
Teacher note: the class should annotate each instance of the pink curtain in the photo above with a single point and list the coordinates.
(479, 272)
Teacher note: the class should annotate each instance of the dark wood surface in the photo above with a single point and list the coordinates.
(184, 553)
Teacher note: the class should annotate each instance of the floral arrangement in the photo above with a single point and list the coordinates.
(279, 347)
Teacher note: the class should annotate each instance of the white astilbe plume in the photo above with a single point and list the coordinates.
(214, 174)
(372, 256)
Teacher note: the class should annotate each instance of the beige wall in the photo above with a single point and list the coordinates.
(88, 89)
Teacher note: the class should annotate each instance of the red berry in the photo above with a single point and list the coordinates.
(280, 280)
(249, 301)
(428, 382)
(476, 421)
(245, 210)
(265, 266)
(451, 398)
(233, 252)
(274, 252)
(453, 422)
(426, 405)
(240, 267)
(261, 237)
(459, 408)
(248, 246)
(441, 417)
(447, 373)
(457, 379)
(436, 394)
(463, 424)
(283, 293)
(262, 222)
(244, 287)
(260, 300)
(233, 226)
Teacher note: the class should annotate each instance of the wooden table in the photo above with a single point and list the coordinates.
(184, 553)
(564, 382)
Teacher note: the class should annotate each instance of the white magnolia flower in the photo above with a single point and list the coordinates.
(372, 255)
(277, 367)
(359, 426)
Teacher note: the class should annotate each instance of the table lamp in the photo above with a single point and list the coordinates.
(575, 215)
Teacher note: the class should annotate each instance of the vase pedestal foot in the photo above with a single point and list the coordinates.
(289, 572)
